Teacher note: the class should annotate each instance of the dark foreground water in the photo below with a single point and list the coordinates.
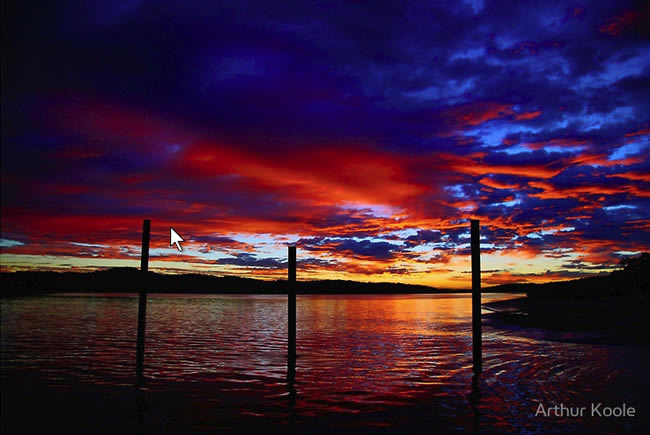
(217, 363)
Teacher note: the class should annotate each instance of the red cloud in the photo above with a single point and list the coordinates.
(107, 122)
(628, 21)
(477, 113)
(557, 142)
(326, 175)
(66, 189)
(337, 173)
(641, 132)
(470, 166)
(472, 114)
(577, 11)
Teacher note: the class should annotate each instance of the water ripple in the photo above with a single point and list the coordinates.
(357, 355)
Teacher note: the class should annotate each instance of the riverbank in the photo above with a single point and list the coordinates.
(596, 320)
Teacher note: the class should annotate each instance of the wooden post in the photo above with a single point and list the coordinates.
(477, 352)
(291, 316)
(142, 303)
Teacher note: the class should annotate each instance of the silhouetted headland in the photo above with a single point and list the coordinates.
(615, 306)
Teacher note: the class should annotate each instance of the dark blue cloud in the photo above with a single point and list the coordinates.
(352, 247)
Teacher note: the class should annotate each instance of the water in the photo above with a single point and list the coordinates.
(365, 363)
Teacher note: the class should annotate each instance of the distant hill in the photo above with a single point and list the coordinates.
(127, 280)
(632, 279)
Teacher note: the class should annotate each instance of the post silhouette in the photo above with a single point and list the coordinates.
(291, 315)
(142, 302)
(474, 399)
(477, 351)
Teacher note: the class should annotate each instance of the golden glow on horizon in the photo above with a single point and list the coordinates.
(498, 268)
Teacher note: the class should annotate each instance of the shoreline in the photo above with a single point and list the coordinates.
(598, 320)
(130, 280)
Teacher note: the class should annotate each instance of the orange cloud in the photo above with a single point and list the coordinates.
(636, 176)
(601, 160)
(487, 181)
(472, 167)
(527, 115)
(472, 114)
(551, 192)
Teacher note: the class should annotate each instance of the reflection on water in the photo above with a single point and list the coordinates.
(215, 361)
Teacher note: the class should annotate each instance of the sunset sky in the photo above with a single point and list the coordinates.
(368, 133)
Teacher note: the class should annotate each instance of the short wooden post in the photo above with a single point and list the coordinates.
(291, 316)
(477, 352)
(142, 303)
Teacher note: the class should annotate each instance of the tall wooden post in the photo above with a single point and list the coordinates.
(477, 351)
(142, 303)
(291, 316)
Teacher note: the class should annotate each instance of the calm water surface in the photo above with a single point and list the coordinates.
(218, 362)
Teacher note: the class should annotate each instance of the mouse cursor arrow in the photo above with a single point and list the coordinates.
(175, 238)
